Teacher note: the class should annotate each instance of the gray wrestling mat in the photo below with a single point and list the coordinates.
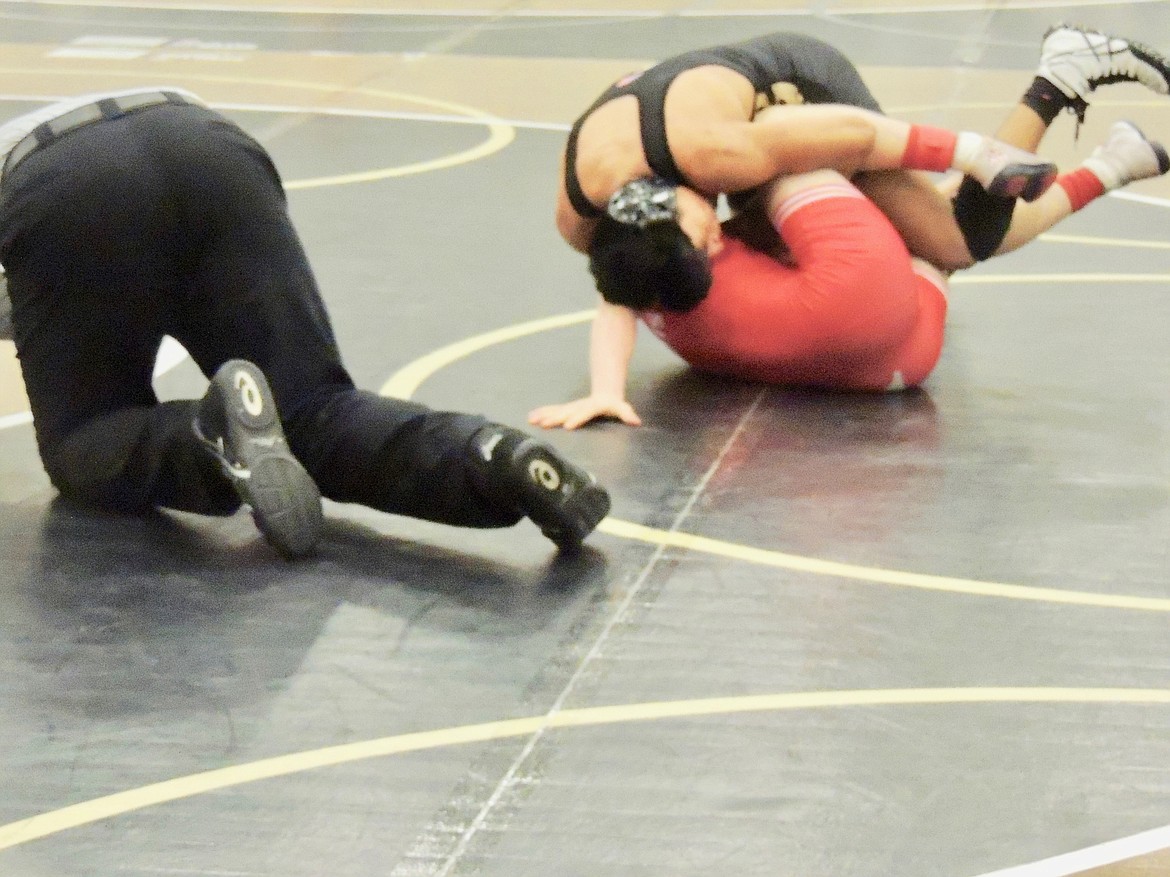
(917, 635)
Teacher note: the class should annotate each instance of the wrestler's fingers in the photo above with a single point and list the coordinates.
(547, 416)
(589, 410)
(582, 417)
(622, 412)
(715, 242)
(628, 415)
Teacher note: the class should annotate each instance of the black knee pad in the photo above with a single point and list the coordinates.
(983, 218)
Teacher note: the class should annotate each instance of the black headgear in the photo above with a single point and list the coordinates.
(640, 258)
(644, 200)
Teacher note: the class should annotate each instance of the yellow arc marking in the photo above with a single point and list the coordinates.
(1059, 278)
(500, 134)
(97, 809)
(405, 381)
(403, 384)
(1053, 238)
(796, 562)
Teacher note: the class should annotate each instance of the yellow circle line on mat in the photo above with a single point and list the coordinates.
(984, 279)
(500, 133)
(876, 575)
(87, 812)
(499, 136)
(403, 384)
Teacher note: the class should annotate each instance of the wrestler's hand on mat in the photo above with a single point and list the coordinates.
(579, 412)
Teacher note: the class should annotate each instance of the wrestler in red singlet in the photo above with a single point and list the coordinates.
(852, 311)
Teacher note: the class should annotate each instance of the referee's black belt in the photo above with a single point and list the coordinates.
(98, 111)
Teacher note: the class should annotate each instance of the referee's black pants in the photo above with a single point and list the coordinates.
(172, 221)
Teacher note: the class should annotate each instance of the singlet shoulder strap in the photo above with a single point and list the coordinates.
(652, 115)
(651, 90)
(581, 204)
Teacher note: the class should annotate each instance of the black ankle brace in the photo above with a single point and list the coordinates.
(1047, 100)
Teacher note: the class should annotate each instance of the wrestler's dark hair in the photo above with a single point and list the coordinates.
(649, 267)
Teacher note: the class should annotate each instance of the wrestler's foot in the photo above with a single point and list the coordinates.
(238, 424)
(1010, 172)
(565, 501)
(1127, 155)
(1077, 60)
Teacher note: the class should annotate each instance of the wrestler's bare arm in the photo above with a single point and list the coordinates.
(576, 229)
(611, 345)
(729, 156)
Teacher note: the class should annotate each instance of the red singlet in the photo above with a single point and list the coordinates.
(855, 314)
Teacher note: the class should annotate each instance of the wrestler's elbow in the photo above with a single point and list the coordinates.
(855, 140)
(713, 169)
(576, 231)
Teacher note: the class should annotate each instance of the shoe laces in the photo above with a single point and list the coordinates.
(1078, 107)
(1116, 66)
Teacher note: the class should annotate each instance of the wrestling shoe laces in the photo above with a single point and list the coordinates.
(237, 423)
(1127, 155)
(1077, 60)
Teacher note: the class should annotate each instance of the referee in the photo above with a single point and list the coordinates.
(131, 215)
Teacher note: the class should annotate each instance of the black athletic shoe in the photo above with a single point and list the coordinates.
(238, 424)
(565, 501)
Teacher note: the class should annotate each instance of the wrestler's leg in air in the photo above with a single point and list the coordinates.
(1074, 62)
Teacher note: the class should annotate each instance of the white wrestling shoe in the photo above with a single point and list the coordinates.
(1010, 172)
(1077, 60)
(1127, 155)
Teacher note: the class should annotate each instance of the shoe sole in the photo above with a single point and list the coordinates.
(286, 504)
(1026, 181)
(565, 515)
(1148, 56)
(1162, 155)
(285, 501)
(582, 512)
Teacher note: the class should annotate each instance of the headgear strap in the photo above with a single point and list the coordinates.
(644, 200)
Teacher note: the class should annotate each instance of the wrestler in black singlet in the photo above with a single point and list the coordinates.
(782, 67)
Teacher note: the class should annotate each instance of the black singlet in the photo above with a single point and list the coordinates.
(773, 64)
